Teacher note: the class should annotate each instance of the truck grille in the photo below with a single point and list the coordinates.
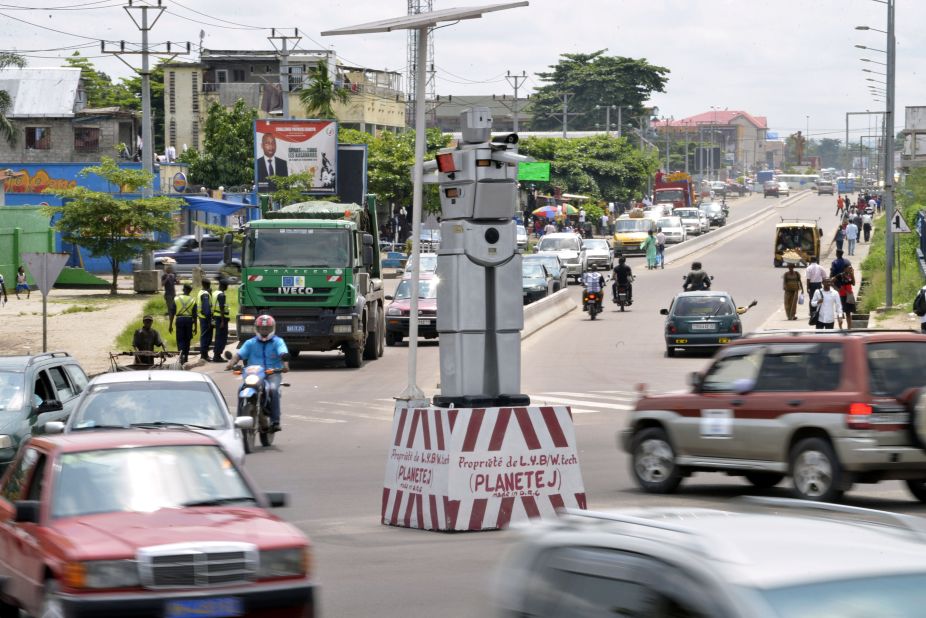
(272, 295)
(196, 565)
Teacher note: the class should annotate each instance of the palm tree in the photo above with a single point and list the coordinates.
(322, 94)
(8, 59)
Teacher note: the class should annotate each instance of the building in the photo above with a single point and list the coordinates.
(740, 136)
(52, 124)
(444, 112)
(224, 76)
(914, 136)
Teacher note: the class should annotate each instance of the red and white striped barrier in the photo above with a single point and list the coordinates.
(480, 468)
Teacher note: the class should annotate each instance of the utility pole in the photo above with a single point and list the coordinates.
(566, 96)
(889, 154)
(145, 25)
(284, 50)
(515, 81)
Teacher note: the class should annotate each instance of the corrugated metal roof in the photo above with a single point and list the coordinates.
(41, 92)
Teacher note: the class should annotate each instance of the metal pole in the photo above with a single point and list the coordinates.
(515, 81)
(667, 146)
(619, 108)
(284, 77)
(889, 154)
(686, 147)
(607, 120)
(565, 113)
(412, 392)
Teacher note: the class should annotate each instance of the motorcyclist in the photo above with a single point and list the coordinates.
(697, 279)
(593, 281)
(270, 351)
(623, 277)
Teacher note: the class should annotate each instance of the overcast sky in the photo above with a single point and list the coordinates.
(785, 60)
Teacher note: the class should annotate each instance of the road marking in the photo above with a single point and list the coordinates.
(627, 393)
(592, 395)
(314, 419)
(359, 404)
(579, 402)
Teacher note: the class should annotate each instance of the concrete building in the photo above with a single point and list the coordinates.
(914, 134)
(444, 112)
(52, 123)
(740, 136)
(376, 104)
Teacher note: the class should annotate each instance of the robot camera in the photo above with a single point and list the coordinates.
(511, 138)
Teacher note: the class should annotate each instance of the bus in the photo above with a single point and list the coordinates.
(798, 181)
(845, 185)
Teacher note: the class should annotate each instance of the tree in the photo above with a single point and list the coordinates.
(601, 167)
(295, 188)
(319, 98)
(108, 226)
(227, 158)
(6, 101)
(595, 79)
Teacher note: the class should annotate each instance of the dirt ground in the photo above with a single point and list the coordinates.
(84, 323)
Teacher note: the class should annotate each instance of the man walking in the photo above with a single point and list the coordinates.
(852, 235)
(792, 285)
(840, 204)
(169, 283)
(828, 304)
(815, 275)
(205, 320)
(186, 322)
(866, 225)
(220, 314)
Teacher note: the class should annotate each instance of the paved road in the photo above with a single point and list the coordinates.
(331, 455)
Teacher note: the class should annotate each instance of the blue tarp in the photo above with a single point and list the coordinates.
(217, 207)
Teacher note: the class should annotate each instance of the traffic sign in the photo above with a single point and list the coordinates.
(899, 224)
(45, 268)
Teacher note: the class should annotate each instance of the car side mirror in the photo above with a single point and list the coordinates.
(53, 427)
(663, 312)
(27, 511)
(389, 297)
(277, 498)
(242, 422)
(694, 380)
(49, 405)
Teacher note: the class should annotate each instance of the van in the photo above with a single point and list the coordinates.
(825, 187)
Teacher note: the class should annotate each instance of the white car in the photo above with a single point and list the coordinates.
(673, 228)
(521, 236)
(157, 399)
(692, 219)
(568, 246)
(783, 189)
(598, 254)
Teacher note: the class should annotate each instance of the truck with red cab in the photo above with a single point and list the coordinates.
(676, 189)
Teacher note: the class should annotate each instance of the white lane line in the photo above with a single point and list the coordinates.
(627, 393)
(360, 415)
(314, 419)
(579, 402)
(353, 405)
(592, 395)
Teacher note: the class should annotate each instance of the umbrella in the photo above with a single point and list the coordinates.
(550, 211)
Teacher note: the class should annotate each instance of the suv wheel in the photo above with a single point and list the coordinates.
(764, 480)
(917, 487)
(815, 471)
(653, 462)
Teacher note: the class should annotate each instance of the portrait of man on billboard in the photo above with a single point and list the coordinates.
(296, 146)
(269, 164)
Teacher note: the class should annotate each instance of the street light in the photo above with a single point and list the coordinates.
(875, 72)
(884, 64)
(880, 51)
(607, 117)
(870, 28)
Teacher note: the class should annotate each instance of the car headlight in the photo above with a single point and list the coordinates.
(538, 288)
(290, 562)
(101, 574)
(393, 311)
(252, 380)
(6, 441)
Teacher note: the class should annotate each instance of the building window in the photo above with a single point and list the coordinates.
(221, 76)
(237, 75)
(173, 131)
(172, 89)
(196, 134)
(86, 139)
(195, 78)
(38, 138)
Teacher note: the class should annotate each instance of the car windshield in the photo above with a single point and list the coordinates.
(145, 480)
(428, 263)
(298, 247)
(669, 195)
(687, 213)
(897, 596)
(711, 207)
(669, 222)
(427, 288)
(896, 366)
(532, 270)
(12, 388)
(597, 244)
(700, 306)
(149, 402)
(430, 234)
(633, 225)
(558, 244)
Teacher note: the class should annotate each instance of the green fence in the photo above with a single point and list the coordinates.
(23, 229)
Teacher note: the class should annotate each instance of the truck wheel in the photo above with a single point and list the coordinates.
(353, 357)
(381, 334)
(369, 345)
(392, 338)
(815, 471)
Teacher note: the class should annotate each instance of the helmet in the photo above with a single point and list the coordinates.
(265, 327)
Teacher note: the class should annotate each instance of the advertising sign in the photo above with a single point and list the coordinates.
(534, 170)
(287, 147)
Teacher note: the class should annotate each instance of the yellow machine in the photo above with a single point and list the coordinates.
(796, 242)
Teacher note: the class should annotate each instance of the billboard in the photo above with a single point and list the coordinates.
(534, 170)
(352, 173)
(287, 147)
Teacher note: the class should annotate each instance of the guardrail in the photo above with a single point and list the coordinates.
(545, 311)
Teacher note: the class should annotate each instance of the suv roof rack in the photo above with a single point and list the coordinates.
(914, 526)
(46, 355)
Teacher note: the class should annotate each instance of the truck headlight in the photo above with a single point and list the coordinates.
(246, 329)
(290, 562)
(101, 574)
(393, 311)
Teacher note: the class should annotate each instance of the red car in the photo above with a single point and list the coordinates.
(144, 523)
(397, 310)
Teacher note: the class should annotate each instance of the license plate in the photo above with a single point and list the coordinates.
(703, 327)
(424, 322)
(295, 328)
(205, 608)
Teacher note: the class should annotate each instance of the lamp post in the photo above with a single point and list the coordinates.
(607, 118)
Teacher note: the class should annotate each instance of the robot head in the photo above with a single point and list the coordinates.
(476, 125)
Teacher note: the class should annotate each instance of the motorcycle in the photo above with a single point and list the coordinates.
(591, 302)
(254, 401)
(622, 295)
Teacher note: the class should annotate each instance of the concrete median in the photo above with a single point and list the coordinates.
(546, 311)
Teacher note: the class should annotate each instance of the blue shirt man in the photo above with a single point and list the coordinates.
(269, 351)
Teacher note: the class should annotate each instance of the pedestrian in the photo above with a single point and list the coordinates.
(649, 247)
(829, 309)
(186, 322)
(604, 224)
(792, 286)
(661, 247)
(205, 320)
(145, 340)
(852, 235)
(815, 275)
(220, 315)
(169, 283)
(21, 284)
(581, 217)
(840, 237)
(840, 205)
(843, 278)
(866, 225)
(919, 308)
(873, 204)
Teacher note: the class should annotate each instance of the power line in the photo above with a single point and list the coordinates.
(234, 23)
(84, 6)
(78, 36)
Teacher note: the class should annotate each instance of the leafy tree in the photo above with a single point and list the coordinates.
(227, 158)
(595, 79)
(320, 97)
(602, 167)
(295, 188)
(108, 226)
(6, 101)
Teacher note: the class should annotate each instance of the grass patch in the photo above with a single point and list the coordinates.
(907, 278)
(81, 309)
(157, 308)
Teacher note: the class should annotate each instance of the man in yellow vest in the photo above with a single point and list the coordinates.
(220, 315)
(205, 320)
(186, 322)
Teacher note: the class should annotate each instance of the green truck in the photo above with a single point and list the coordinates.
(315, 267)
